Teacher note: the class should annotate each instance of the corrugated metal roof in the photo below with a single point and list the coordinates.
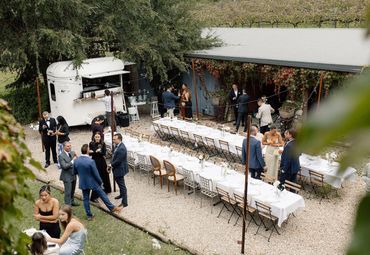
(336, 49)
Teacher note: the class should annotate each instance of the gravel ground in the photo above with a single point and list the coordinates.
(318, 229)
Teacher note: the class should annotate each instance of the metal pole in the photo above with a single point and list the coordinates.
(113, 129)
(320, 90)
(249, 121)
(195, 89)
(39, 108)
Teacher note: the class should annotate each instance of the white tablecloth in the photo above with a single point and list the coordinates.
(330, 171)
(204, 131)
(227, 179)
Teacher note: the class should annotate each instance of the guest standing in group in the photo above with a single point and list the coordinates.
(98, 150)
(47, 129)
(256, 164)
(169, 102)
(186, 102)
(62, 133)
(74, 236)
(233, 99)
(120, 167)
(242, 110)
(160, 101)
(273, 140)
(97, 126)
(264, 115)
(66, 160)
(259, 135)
(107, 100)
(89, 180)
(289, 164)
(46, 210)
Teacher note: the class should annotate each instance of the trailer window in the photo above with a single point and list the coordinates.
(101, 83)
(52, 92)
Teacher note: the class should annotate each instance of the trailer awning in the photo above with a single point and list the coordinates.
(97, 75)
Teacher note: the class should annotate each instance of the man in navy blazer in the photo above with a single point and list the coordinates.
(89, 180)
(289, 164)
(120, 167)
(169, 102)
(256, 162)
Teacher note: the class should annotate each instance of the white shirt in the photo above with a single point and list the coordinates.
(264, 113)
(107, 100)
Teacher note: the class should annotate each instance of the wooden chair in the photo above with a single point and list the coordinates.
(293, 187)
(212, 148)
(135, 134)
(225, 150)
(318, 185)
(176, 135)
(157, 170)
(144, 165)
(145, 137)
(189, 142)
(158, 130)
(199, 144)
(131, 160)
(167, 134)
(206, 188)
(172, 176)
(249, 210)
(267, 178)
(189, 181)
(264, 213)
(128, 132)
(227, 202)
(239, 152)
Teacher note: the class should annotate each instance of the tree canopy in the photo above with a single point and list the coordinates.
(153, 33)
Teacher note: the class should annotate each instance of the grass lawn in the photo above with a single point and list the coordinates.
(106, 235)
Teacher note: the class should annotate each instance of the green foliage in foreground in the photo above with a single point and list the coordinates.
(106, 235)
(14, 155)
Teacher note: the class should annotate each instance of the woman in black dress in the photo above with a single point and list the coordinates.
(46, 210)
(62, 133)
(98, 151)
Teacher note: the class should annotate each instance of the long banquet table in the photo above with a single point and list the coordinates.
(222, 177)
(315, 163)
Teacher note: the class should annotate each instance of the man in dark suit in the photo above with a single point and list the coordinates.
(120, 167)
(89, 179)
(47, 129)
(233, 99)
(242, 110)
(169, 102)
(67, 175)
(289, 164)
(256, 163)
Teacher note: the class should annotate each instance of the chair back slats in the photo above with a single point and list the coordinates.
(239, 200)
(175, 131)
(198, 139)
(170, 168)
(316, 178)
(145, 137)
(264, 210)
(205, 184)
(131, 159)
(165, 129)
(189, 178)
(291, 186)
(224, 145)
(210, 142)
(239, 151)
(267, 178)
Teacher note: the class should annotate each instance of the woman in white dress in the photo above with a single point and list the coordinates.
(73, 239)
(273, 140)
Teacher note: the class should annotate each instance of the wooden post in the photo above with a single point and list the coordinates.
(320, 91)
(246, 172)
(195, 89)
(113, 129)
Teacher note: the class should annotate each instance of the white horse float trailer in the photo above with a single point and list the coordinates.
(74, 93)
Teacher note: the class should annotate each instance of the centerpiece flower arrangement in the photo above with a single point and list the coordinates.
(201, 160)
(279, 187)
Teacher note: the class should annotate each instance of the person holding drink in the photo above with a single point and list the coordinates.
(273, 140)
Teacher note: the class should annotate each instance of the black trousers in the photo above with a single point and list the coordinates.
(264, 129)
(235, 113)
(242, 116)
(256, 173)
(50, 143)
(288, 176)
(122, 189)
